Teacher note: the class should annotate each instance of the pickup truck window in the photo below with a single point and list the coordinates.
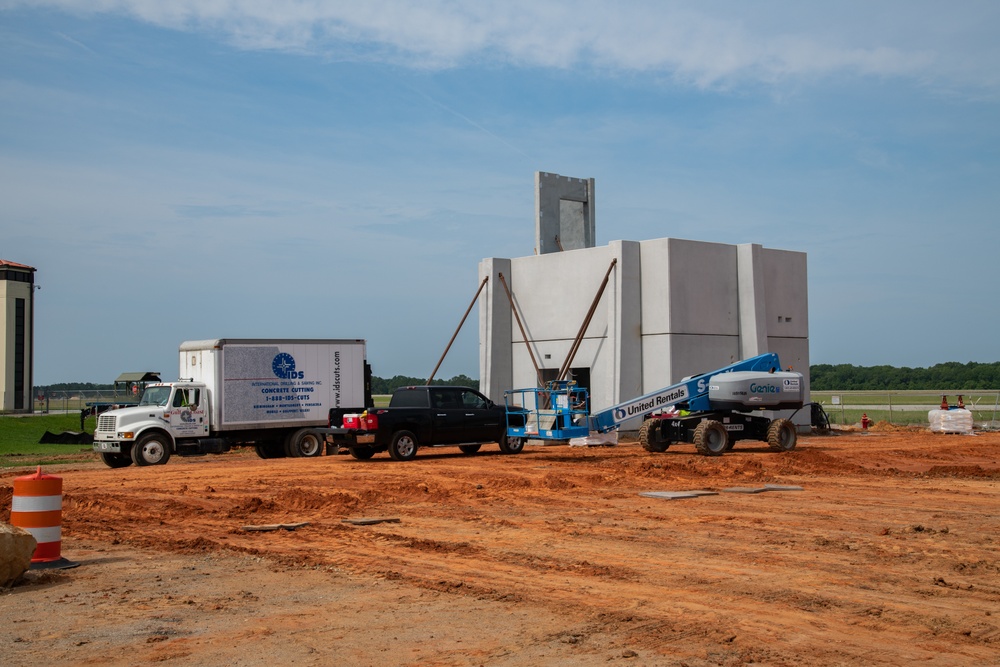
(471, 399)
(409, 398)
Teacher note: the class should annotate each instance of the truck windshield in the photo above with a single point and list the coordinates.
(155, 396)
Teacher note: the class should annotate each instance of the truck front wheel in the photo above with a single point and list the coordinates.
(152, 449)
(711, 438)
(403, 446)
(116, 460)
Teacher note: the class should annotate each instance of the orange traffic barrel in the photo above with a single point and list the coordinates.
(37, 508)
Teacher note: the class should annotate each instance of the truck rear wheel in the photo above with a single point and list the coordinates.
(304, 443)
(362, 453)
(711, 438)
(116, 460)
(510, 445)
(781, 435)
(270, 450)
(651, 436)
(152, 449)
(403, 446)
(469, 449)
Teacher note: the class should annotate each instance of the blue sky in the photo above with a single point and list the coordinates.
(205, 168)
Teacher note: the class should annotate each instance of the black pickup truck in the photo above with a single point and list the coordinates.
(423, 417)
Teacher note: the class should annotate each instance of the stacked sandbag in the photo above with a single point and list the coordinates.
(16, 548)
(957, 420)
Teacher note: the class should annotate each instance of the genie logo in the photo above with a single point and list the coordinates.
(284, 367)
(763, 388)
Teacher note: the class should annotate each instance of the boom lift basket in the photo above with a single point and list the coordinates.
(560, 411)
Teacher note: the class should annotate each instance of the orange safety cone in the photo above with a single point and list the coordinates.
(37, 508)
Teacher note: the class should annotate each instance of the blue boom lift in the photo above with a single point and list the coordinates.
(709, 410)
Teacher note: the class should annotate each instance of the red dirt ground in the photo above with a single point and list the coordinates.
(889, 555)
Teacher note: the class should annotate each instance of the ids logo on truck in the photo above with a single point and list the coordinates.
(284, 367)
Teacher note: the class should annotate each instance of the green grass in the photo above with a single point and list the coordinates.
(19, 438)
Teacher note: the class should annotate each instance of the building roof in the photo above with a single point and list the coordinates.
(6, 262)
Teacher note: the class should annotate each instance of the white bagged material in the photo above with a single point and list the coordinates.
(950, 421)
(596, 440)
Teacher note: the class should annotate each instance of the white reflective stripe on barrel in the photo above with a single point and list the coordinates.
(36, 503)
(43, 535)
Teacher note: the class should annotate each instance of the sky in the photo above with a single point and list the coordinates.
(194, 169)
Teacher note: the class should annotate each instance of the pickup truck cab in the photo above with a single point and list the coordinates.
(427, 416)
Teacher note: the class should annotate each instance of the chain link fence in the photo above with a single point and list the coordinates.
(847, 408)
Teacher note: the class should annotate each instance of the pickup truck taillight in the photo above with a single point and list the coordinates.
(369, 422)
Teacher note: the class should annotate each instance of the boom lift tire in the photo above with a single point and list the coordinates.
(403, 446)
(113, 460)
(711, 438)
(304, 443)
(469, 449)
(651, 437)
(510, 445)
(362, 452)
(152, 449)
(782, 435)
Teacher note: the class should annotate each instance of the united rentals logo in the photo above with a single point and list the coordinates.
(650, 403)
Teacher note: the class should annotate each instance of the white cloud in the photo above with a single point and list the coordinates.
(708, 44)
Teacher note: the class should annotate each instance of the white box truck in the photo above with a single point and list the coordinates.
(269, 393)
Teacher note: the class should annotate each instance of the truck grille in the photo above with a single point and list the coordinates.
(106, 423)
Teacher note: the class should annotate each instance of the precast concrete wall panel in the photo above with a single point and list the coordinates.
(787, 302)
(553, 293)
(703, 288)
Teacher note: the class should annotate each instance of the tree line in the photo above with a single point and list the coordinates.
(823, 377)
(950, 375)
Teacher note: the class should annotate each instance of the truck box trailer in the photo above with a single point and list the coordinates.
(268, 393)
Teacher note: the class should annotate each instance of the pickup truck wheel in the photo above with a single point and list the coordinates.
(510, 445)
(116, 460)
(651, 436)
(362, 453)
(711, 438)
(469, 449)
(781, 435)
(304, 442)
(403, 446)
(152, 449)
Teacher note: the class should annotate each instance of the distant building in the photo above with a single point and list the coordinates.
(672, 307)
(17, 315)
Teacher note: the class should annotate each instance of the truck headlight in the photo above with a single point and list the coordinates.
(126, 435)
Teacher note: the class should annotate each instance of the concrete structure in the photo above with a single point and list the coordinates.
(17, 314)
(672, 308)
(564, 213)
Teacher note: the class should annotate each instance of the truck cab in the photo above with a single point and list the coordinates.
(169, 416)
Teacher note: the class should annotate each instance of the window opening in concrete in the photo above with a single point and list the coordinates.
(20, 341)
